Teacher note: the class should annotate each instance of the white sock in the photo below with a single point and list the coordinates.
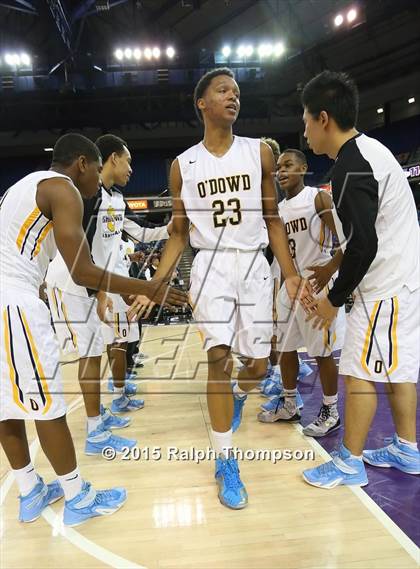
(354, 457)
(290, 396)
(276, 369)
(26, 479)
(330, 399)
(71, 483)
(222, 442)
(408, 443)
(93, 423)
(238, 391)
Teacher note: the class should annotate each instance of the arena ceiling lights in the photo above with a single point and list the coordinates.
(248, 52)
(349, 17)
(133, 55)
(16, 60)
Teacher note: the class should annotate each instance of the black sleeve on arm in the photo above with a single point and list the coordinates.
(355, 193)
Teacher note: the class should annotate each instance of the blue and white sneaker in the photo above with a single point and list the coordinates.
(112, 422)
(101, 438)
(395, 455)
(238, 406)
(232, 492)
(131, 375)
(304, 369)
(342, 469)
(130, 388)
(278, 401)
(90, 503)
(124, 405)
(272, 389)
(41, 496)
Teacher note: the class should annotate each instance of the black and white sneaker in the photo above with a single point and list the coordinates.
(327, 421)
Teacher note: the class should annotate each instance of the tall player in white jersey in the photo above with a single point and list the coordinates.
(377, 221)
(38, 214)
(224, 187)
(306, 213)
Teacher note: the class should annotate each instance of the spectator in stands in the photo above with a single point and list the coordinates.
(151, 270)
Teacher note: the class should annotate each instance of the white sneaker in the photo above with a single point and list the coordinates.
(327, 421)
(287, 413)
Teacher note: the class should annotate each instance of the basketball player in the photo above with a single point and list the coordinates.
(381, 267)
(118, 332)
(306, 213)
(105, 217)
(224, 187)
(38, 212)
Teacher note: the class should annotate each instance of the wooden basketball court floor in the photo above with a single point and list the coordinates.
(172, 518)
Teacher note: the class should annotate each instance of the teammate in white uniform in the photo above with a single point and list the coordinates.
(306, 213)
(39, 213)
(105, 217)
(118, 331)
(376, 214)
(224, 187)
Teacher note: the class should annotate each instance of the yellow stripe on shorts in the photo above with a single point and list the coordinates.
(13, 374)
(369, 332)
(42, 383)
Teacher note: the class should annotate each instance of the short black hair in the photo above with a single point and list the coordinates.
(71, 146)
(108, 144)
(205, 81)
(298, 153)
(334, 93)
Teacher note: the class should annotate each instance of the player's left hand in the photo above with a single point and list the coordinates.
(322, 313)
(300, 289)
(140, 307)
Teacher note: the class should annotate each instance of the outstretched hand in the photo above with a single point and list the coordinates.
(158, 291)
(299, 289)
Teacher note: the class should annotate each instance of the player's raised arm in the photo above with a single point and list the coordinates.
(180, 228)
(65, 206)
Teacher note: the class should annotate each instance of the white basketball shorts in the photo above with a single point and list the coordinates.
(76, 323)
(119, 329)
(231, 295)
(30, 378)
(293, 332)
(382, 341)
